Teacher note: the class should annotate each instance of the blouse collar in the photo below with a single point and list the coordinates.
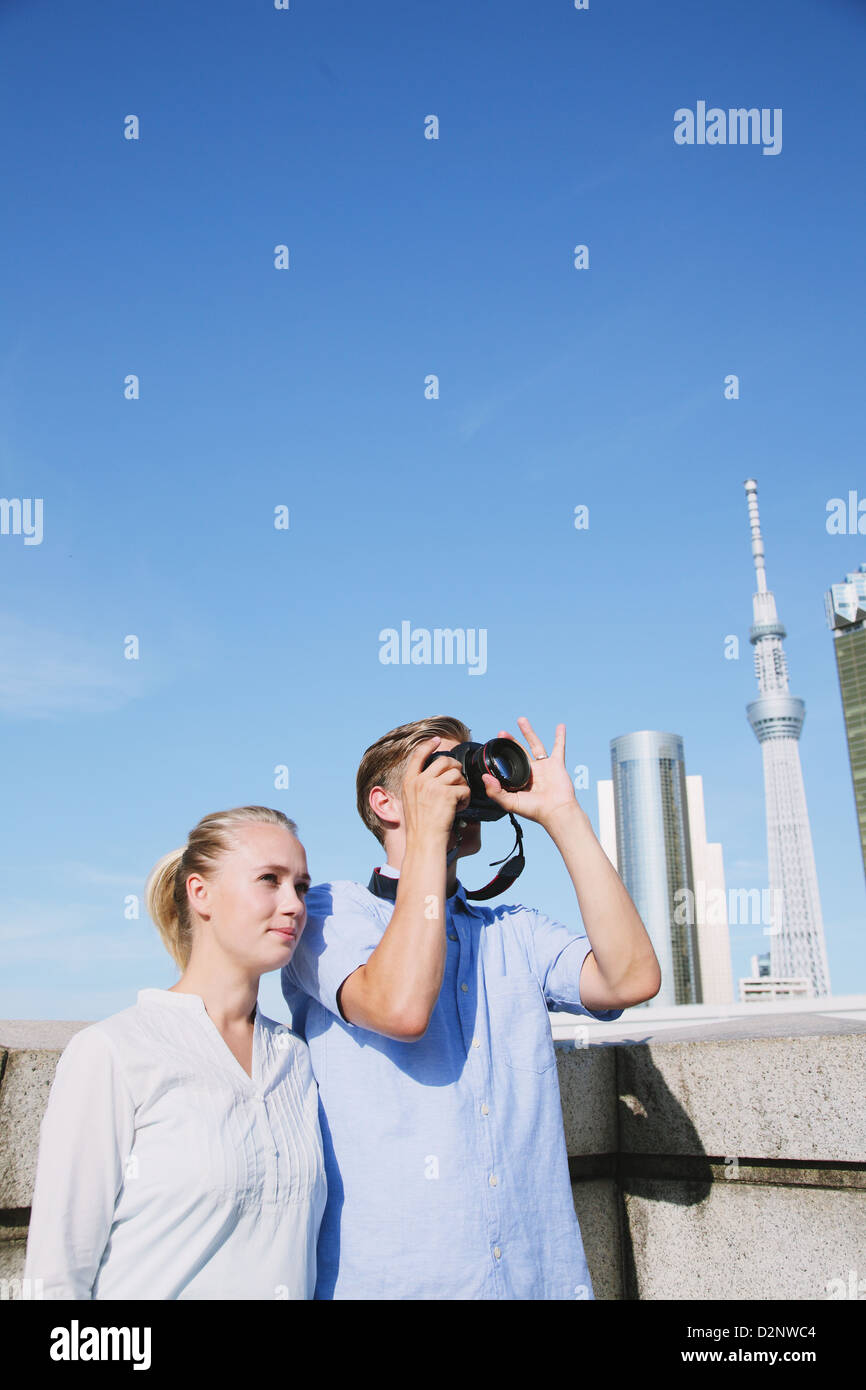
(193, 1003)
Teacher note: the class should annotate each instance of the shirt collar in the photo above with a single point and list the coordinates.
(383, 883)
(174, 999)
(193, 1003)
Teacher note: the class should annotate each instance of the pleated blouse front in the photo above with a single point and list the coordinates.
(166, 1172)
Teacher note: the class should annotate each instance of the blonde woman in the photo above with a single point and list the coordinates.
(180, 1155)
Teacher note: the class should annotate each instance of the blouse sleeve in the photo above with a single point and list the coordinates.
(85, 1139)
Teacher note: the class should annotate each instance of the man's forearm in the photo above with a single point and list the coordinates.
(624, 957)
(395, 992)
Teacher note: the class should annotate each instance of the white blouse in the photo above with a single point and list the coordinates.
(165, 1171)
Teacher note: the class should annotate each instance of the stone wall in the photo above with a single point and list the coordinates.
(720, 1169)
(730, 1168)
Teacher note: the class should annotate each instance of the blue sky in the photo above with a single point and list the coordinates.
(305, 387)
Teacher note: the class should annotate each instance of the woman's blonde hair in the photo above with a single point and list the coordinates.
(165, 893)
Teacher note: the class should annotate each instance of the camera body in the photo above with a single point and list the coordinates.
(503, 759)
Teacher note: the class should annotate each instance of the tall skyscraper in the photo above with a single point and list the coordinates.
(704, 905)
(797, 944)
(711, 908)
(644, 824)
(846, 615)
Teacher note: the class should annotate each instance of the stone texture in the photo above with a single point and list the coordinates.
(24, 1090)
(634, 1029)
(588, 1093)
(38, 1032)
(596, 1205)
(741, 1242)
(794, 1098)
(12, 1255)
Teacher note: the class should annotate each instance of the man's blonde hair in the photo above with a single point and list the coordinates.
(384, 762)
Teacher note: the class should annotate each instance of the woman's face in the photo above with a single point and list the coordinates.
(253, 905)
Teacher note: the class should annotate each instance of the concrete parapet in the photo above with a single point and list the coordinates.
(721, 1168)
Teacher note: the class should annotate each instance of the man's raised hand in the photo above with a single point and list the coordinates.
(550, 791)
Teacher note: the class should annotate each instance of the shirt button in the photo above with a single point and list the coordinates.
(464, 987)
(493, 1180)
(485, 1109)
(476, 1042)
(452, 936)
(497, 1252)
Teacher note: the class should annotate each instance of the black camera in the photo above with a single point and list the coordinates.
(502, 758)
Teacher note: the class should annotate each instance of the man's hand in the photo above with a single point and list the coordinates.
(550, 791)
(432, 797)
(622, 968)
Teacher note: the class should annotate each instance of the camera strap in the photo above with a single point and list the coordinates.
(512, 867)
(383, 886)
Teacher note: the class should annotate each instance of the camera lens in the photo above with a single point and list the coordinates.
(506, 760)
(501, 766)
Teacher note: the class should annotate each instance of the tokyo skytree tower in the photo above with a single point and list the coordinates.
(797, 935)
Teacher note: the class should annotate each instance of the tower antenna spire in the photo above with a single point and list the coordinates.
(797, 949)
(757, 539)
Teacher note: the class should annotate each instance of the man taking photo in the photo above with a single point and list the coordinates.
(427, 1020)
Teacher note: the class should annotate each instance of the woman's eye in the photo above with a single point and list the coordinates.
(302, 887)
(273, 876)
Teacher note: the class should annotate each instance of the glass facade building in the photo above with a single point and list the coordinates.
(846, 615)
(654, 857)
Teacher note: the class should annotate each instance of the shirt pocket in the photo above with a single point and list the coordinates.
(520, 1024)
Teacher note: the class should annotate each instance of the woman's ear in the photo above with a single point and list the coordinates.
(198, 893)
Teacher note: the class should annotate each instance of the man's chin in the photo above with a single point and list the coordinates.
(470, 843)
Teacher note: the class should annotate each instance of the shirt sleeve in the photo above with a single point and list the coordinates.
(86, 1135)
(341, 933)
(559, 954)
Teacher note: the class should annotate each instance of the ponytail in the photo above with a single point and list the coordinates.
(160, 902)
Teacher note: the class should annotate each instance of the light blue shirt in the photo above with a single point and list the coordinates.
(445, 1158)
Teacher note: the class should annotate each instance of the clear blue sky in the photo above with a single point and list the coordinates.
(306, 387)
